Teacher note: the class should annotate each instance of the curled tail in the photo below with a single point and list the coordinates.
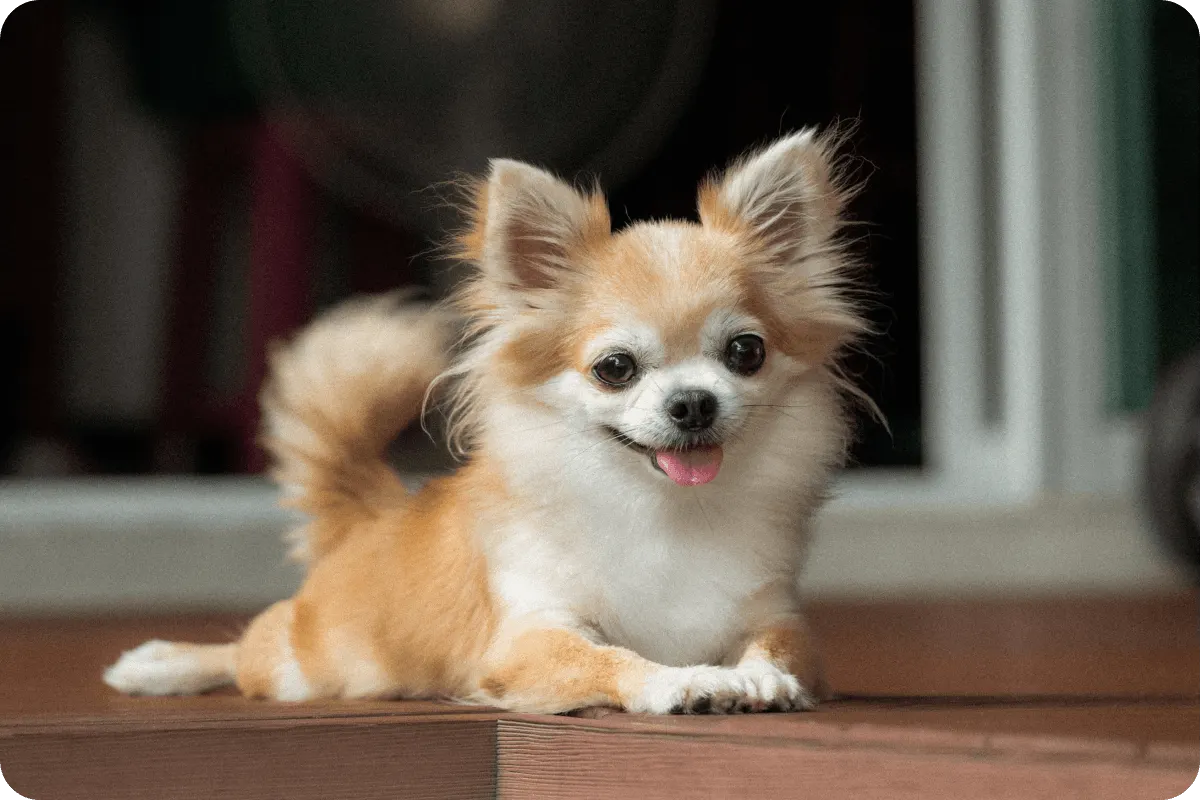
(334, 398)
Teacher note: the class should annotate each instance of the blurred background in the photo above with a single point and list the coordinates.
(185, 181)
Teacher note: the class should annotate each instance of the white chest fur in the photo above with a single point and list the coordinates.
(676, 595)
(666, 574)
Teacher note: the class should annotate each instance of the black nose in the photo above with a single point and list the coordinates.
(692, 409)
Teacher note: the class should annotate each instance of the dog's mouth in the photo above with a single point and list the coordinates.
(690, 464)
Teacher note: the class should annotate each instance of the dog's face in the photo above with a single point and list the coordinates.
(668, 356)
(667, 343)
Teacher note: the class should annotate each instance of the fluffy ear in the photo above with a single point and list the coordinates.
(785, 196)
(527, 225)
(786, 202)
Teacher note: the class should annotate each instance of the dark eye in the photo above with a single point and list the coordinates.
(615, 369)
(745, 354)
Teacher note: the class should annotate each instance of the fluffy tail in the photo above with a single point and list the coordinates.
(335, 397)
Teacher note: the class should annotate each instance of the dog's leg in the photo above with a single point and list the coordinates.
(267, 666)
(555, 670)
(784, 662)
(161, 668)
(263, 664)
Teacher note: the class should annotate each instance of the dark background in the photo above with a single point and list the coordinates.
(313, 133)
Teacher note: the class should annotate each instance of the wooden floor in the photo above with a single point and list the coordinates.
(1050, 697)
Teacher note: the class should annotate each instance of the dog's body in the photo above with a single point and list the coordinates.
(576, 559)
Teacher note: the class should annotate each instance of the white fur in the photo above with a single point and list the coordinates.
(162, 668)
(363, 676)
(290, 683)
(756, 189)
(751, 687)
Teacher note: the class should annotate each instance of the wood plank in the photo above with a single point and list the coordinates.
(54, 664)
(535, 759)
(419, 757)
(1127, 645)
(163, 713)
(1128, 726)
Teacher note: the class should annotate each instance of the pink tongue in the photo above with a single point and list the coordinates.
(690, 467)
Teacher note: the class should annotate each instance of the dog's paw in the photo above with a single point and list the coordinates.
(774, 689)
(720, 690)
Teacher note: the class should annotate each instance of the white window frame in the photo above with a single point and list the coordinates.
(1054, 433)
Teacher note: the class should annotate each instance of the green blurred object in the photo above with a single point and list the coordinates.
(1149, 111)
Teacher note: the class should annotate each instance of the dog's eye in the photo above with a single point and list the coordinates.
(615, 369)
(745, 354)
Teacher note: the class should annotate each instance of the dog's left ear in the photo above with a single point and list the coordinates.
(528, 230)
(784, 197)
(786, 204)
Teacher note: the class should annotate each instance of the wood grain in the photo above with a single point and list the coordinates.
(1127, 645)
(537, 760)
(419, 757)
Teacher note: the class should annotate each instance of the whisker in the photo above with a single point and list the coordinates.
(771, 405)
(781, 410)
(704, 514)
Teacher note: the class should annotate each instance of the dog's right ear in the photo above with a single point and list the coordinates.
(526, 228)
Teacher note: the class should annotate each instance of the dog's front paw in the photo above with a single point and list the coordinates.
(719, 690)
(775, 689)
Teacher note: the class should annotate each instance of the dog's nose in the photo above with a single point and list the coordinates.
(692, 409)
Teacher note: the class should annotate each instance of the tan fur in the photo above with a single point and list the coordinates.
(790, 645)
(701, 276)
(335, 398)
(408, 592)
(400, 599)
(534, 357)
(552, 671)
(261, 649)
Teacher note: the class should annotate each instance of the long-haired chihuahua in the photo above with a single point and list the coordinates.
(651, 418)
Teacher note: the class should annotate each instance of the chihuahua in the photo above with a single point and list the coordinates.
(651, 418)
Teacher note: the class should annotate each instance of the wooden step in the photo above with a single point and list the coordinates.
(1056, 698)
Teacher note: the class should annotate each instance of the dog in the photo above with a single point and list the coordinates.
(651, 418)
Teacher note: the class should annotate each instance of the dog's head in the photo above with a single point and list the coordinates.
(667, 343)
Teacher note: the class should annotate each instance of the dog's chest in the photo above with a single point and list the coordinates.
(668, 574)
(672, 617)
(674, 596)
